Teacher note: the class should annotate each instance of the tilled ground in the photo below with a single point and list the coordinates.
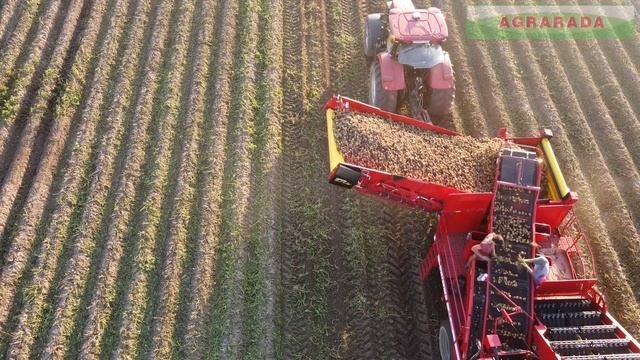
(163, 166)
(460, 162)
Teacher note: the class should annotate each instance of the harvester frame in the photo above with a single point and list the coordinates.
(566, 317)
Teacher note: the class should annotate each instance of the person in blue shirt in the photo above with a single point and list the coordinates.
(540, 269)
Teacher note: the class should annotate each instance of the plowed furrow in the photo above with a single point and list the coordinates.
(605, 151)
(293, 289)
(623, 57)
(13, 41)
(17, 180)
(307, 229)
(26, 78)
(521, 119)
(417, 234)
(630, 46)
(602, 119)
(193, 99)
(78, 267)
(37, 199)
(617, 83)
(7, 13)
(205, 32)
(230, 307)
(346, 51)
(214, 153)
(467, 103)
(348, 67)
(407, 318)
(484, 76)
(20, 249)
(543, 104)
(157, 196)
(395, 266)
(626, 73)
(262, 272)
(69, 195)
(367, 330)
(128, 183)
(363, 253)
(616, 93)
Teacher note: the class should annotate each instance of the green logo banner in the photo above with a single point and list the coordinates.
(532, 22)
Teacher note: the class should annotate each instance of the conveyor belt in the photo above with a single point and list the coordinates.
(604, 357)
(565, 319)
(477, 314)
(582, 332)
(577, 331)
(512, 218)
(589, 347)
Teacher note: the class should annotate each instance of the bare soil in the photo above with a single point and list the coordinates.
(163, 176)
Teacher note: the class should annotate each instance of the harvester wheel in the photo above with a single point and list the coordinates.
(372, 33)
(378, 96)
(445, 341)
(440, 101)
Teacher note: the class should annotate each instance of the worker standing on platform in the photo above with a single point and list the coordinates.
(540, 269)
(486, 249)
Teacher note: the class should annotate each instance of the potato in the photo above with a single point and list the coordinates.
(461, 162)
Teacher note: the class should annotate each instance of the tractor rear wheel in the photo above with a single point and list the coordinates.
(378, 96)
(440, 101)
(372, 33)
(445, 341)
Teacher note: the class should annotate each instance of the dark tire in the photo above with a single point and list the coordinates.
(372, 33)
(378, 96)
(445, 341)
(439, 102)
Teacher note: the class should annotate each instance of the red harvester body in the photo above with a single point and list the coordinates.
(494, 311)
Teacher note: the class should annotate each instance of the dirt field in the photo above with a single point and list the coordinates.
(163, 177)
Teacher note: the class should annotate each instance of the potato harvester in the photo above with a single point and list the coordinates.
(492, 310)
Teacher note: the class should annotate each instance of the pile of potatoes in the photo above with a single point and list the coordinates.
(462, 162)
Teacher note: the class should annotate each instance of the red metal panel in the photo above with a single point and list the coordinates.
(543, 347)
(465, 211)
(558, 288)
(552, 214)
(441, 75)
(392, 72)
(338, 102)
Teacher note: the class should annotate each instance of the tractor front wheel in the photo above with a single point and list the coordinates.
(378, 96)
(440, 101)
(445, 341)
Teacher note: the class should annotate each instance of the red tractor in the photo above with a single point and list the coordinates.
(494, 310)
(403, 46)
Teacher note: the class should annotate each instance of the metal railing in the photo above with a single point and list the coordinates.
(575, 244)
(454, 294)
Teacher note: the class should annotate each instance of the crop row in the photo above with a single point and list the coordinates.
(99, 203)
(24, 240)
